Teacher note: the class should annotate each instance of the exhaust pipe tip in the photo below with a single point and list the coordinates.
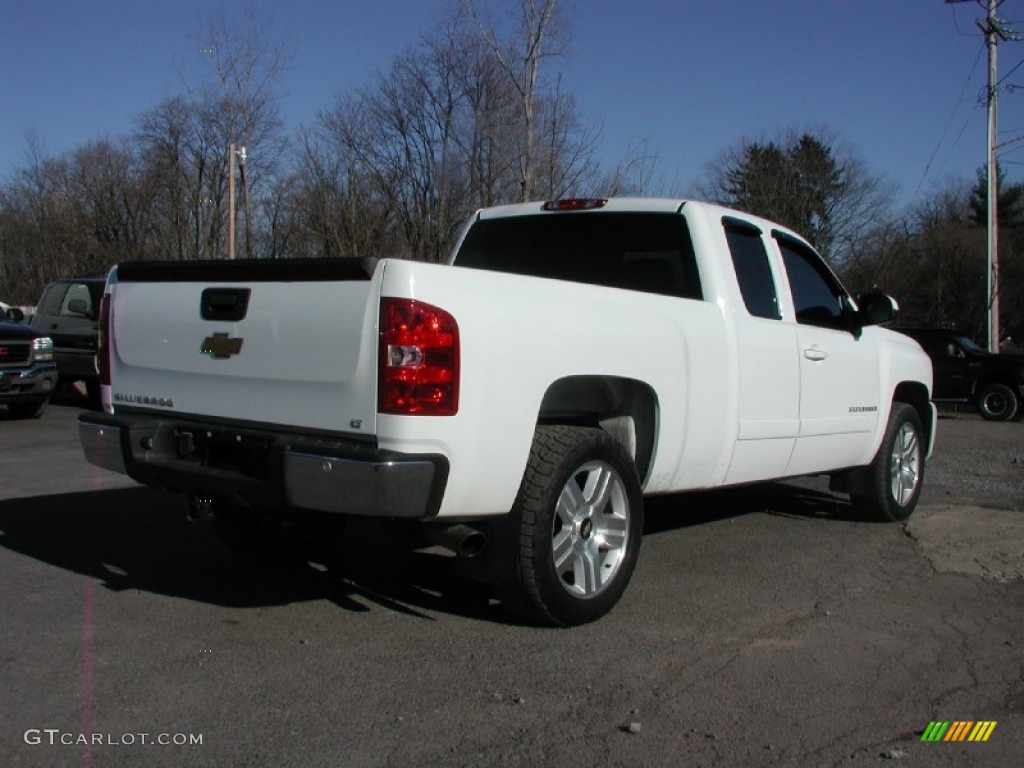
(464, 541)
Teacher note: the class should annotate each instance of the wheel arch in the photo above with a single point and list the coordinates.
(915, 394)
(989, 378)
(627, 409)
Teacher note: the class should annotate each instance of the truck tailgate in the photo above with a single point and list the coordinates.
(289, 343)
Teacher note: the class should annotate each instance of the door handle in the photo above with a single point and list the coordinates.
(813, 353)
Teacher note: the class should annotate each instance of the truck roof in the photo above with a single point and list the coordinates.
(611, 204)
(631, 205)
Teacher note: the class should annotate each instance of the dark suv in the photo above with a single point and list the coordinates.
(68, 312)
(966, 373)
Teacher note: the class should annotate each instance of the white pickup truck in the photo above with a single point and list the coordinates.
(518, 402)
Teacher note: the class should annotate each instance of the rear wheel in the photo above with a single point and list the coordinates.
(997, 402)
(580, 518)
(893, 480)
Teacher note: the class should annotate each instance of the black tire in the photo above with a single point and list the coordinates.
(580, 502)
(272, 540)
(997, 402)
(29, 410)
(892, 482)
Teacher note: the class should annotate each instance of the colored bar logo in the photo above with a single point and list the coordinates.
(958, 730)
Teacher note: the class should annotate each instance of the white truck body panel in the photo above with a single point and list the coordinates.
(515, 349)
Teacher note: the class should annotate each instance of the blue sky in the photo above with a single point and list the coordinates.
(899, 80)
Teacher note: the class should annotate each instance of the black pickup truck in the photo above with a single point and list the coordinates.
(966, 373)
(68, 312)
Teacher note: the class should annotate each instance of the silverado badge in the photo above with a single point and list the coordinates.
(221, 346)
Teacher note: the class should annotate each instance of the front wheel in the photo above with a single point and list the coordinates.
(893, 480)
(580, 518)
(997, 402)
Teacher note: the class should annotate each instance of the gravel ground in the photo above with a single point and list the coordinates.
(977, 462)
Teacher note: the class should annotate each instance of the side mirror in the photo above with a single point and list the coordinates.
(876, 308)
(15, 315)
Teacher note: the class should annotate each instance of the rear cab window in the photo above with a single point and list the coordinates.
(649, 252)
(752, 268)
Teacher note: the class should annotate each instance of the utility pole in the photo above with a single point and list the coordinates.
(993, 34)
(232, 217)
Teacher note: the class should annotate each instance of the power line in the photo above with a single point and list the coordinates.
(1014, 69)
(945, 132)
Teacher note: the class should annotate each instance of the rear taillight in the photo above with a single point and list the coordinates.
(418, 367)
(103, 343)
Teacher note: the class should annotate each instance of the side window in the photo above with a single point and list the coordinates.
(817, 296)
(753, 273)
(50, 303)
(77, 301)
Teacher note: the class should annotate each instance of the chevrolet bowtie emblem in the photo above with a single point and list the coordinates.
(221, 346)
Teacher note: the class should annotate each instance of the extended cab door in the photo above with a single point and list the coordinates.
(769, 373)
(68, 312)
(839, 370)
(955, 370)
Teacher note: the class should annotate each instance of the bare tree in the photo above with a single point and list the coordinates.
(111, 206)
(40, 239)
(520, 56)
(332, 208)
(241, 102)
(183, 157)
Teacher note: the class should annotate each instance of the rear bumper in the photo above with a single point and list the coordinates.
(262, 468)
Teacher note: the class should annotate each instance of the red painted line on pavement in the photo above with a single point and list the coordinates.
(88, 633)
(88, 653)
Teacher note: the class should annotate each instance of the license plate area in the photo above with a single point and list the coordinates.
(225, 450)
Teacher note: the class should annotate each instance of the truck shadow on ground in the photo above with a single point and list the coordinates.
(682, 510)
(139, 539)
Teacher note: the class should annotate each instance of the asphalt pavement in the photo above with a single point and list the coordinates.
(764, 626)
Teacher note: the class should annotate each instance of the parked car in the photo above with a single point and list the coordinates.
(966, 373)
(68, 312)
(28, 373)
